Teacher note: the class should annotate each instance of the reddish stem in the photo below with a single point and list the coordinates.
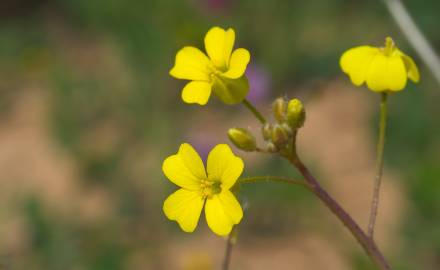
(366, 242)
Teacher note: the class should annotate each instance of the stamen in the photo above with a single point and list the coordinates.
(389, 46)
(209, 188)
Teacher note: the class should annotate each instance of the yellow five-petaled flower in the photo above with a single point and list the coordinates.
(222, 71)
(210, 188)
(383, 69)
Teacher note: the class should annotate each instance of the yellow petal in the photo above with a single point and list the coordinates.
(224, 166)
(196, 92)
(184, 206)
(222, 211)
(396, 72)
(185, 169)
(231, 91)
(218, 45)
(386, 73)
(377, 78)
(356, 61)
(238, 63)
(411, 68)
(191, 64)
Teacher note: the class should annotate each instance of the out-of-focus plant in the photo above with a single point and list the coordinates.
(383, 69)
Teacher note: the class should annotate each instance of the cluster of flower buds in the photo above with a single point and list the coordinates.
(289, 116)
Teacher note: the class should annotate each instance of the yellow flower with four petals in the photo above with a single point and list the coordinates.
(210, 188)
(383, 69)
(221, 71)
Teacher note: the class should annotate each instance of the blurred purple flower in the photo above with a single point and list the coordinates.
(259, 83)
(217, 5)
(202, 144)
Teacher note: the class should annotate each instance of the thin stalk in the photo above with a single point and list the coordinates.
(229, 246)
(379, 164)
(278, 179)
(255, 111)
(366, 242)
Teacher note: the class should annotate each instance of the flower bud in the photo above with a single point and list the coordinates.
(279, 109)
(267, 131)
(296, 115)
(287, 129)
(279, 136)
(243, 139)
(271, 148)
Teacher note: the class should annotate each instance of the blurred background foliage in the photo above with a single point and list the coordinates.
(99, 71)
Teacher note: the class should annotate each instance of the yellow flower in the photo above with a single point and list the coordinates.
(383, 69)
(210, 188)
(222, 71)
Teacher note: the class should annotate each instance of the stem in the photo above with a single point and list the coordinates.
(278, 179)
(366, 242)
(254, 110)
(229, 245)
(415, 36)
(379, 164)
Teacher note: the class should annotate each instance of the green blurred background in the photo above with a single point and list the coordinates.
(88, 112)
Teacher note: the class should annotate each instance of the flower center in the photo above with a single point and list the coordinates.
(215, 71)
(210, 188)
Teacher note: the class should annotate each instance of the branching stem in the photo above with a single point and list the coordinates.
(364, 240)
(312, 184)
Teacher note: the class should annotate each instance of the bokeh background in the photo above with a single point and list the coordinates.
(88, 112)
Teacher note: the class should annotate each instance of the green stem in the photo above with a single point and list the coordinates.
(232, 238)
(277, 179)
(254, 110)
(379, 164)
